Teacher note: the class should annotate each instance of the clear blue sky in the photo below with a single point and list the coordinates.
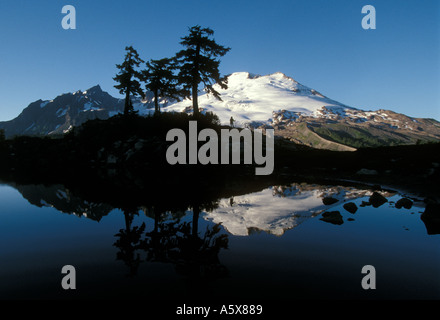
(320, 43)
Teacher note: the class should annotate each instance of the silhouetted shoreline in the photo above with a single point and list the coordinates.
(127, 155)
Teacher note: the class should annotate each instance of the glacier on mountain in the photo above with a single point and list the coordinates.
(256, 98)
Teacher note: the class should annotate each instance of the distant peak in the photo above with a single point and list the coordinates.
(278, 73)
(249, 75)
(244, 74)
(94, 89)
(281, 75)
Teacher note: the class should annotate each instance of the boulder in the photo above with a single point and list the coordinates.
(377, 199)
(333, 217)
(329, 200)
(350, 207)
(404, 202)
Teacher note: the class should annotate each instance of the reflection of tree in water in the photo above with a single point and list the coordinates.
(174, 241)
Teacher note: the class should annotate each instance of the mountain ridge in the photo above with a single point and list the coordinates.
(277, 101)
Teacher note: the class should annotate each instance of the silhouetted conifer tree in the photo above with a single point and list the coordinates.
(198, 64)
(127, 78)
(160, 79)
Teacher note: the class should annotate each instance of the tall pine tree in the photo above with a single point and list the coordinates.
(160, 79)
(128, 78)
(198, 64)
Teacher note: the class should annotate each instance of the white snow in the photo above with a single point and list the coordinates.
(255, 98)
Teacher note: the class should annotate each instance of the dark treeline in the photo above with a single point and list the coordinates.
(124, 155)
(127, 155)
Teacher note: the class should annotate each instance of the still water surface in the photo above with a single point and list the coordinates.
(271, 244)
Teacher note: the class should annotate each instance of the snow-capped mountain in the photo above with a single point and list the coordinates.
(261, 99)
(305, 116)
(277, 101)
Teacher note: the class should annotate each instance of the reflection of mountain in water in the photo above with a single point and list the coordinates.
(279, 208)
(273, 210)
(62, 199)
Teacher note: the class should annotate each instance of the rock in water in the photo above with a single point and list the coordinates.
(329, 200)
(377, 199)
(404, 202)
(350, 207)
(332, 217)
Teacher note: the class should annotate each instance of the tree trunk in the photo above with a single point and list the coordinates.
(195, 224)
(156, 102)
(127, 102)
(195, 100)
(196, 82)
